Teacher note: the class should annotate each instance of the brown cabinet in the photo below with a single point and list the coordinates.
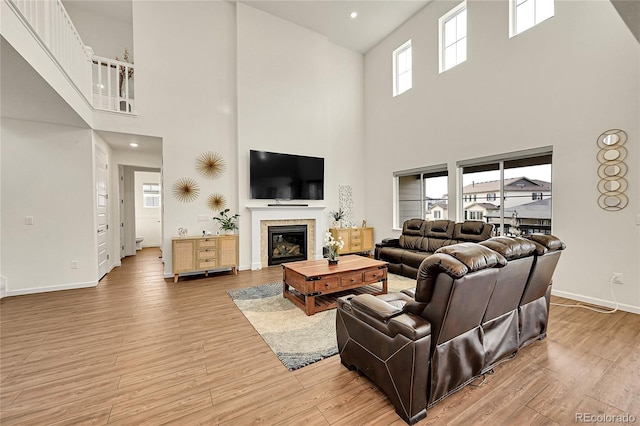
(202, 254)
(356, 240)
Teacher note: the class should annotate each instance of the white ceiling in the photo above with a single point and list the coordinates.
(375, 21)
(376, 18)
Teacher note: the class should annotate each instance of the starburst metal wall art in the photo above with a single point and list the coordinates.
(186, 190)
(217, 202)
(210, 165)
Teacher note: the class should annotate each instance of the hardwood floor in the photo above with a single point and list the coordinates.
(139, 349)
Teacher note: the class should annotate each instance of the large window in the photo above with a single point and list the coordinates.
(421, 193)
(511, 191)
(453, 37)
(402, 69)
(525, 14)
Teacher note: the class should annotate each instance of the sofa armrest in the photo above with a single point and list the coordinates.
(375, 308)
(380, 314)
(411, 326)
(389, 242)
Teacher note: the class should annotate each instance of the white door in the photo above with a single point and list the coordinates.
(102, 216)
(121, 208)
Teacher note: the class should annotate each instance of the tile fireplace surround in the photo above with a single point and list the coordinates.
(262, 217)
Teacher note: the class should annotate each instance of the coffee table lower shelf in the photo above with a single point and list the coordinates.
(323, 302)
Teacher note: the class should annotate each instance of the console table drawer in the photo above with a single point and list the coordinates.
(208, 242)
(208, 252)
(207, 263)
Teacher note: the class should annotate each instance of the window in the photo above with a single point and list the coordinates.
(518, 190)
(453, 37)
(525, 14)
(421, 193)
(402, 69)
(151, 195)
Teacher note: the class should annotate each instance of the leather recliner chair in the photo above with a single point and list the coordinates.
(533, 315)
(500, 321)
(419, 350)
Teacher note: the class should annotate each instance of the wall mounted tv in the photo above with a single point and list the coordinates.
(285, 177)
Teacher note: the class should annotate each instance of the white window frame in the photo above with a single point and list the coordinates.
(453, 13)
(513, 24)
(151, 194)
(396, 71)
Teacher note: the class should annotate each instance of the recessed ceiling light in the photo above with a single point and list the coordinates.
(133, 144)
(353, 15)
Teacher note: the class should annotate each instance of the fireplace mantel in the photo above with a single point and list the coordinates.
(284, 212)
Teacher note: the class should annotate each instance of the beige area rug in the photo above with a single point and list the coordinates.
(296, 339)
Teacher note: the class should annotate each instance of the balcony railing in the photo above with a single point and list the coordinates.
(112, 87)
(107, 84)
(50, 22)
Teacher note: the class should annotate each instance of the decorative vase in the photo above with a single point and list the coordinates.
(333, 262)
(336, 224)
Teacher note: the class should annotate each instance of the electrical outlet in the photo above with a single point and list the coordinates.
(28, 220)
(618, 278)
(75, 264)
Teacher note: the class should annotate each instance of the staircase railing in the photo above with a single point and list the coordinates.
(51, 23)
(107, 84)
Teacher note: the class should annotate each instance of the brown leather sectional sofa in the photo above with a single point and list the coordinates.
(474, 306)
(421, 238)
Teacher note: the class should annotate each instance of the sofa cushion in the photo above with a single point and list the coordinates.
(439, 229)
(511, 248)
(472, 231)
(474, 256)
(414, 258)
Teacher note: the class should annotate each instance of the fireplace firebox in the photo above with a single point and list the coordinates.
(287, 243)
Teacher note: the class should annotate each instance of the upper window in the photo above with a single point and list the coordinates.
(151, 194)
(453, 37)
(402, 69)
(525, 14)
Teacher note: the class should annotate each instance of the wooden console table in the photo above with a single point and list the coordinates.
(314, 286)
(202, 254)
(356, 240)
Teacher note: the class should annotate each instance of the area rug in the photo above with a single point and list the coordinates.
(296, 339)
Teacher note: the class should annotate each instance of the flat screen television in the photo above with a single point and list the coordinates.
(285, 176)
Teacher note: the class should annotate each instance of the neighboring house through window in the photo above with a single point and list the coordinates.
(402, 63)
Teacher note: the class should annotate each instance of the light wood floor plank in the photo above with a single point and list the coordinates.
(139, 349)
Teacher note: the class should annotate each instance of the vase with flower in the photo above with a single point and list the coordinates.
(337, 216)
(333, 247)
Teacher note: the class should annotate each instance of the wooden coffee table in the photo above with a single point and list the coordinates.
(314, 286)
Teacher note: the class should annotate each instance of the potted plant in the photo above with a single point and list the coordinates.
(227, 223)
(333, 246)
(337, 216)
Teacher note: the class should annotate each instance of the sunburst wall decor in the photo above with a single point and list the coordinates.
(186, 189)
(217, 202)
(210, 165)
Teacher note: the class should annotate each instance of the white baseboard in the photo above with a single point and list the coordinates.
(596, 301)
(72, 286)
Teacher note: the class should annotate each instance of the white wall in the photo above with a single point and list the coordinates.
(106, 35)
(297, 94)
(147, 219)
(192, 106)
(47, 173)
(562, 83)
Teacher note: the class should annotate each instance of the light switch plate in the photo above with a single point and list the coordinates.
(203, 218)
